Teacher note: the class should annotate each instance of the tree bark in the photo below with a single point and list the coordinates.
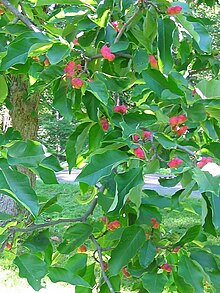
(24, 118)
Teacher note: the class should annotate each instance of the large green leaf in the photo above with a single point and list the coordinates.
(196, 112)
(32, 268)
(150, 28)
(72, 150)
(100, 166)
(19, 49)
(147, 254)
(166, 141)
(140, 60)
(38, 242)
(215, 202)
(17, 185)
(99, 90)
(153, 282)
(89, 277)
(113, 83)
(27, 153)
(165, 40)
(209, 88)
(3, 89)
(192, 273)
(125, 182)
(131, 241)
(206, 181)
(75, 236)
(57, 53)
(182, 286)
(77, 263)
(57, 274)
(207, 216)
(189, 235)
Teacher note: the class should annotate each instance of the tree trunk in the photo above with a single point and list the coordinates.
(24, 118)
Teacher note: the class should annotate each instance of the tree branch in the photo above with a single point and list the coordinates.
(185, 149)
(19, 15)
(99, 250)
(126, 24)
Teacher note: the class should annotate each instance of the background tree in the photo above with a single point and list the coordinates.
(126, 72)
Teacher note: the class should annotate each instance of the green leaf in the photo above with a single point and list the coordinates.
(57, 274)
(113, 83)
(215, 202)
(170, 181)
(165, 140)
(57, 53)
(72, 149)
(125, 182)
(165, 40)
(140, 60)
(32, 268)
(192, 273)
(89, 276)
(189, 235)
(38, 242)
(27, 153)
(4, 216)
(146, 212)
(17, 185)
(132, 239)
(181, 284)
(209, 88)
(155, 81)
(207, 216)
(150, 27)
(153, 282)
(77, 264)
(46, 175)
(75, 236)
(99, 90)
(206, 182)
(119, 46)
(196, 112)
(205, 259)
(147, 254)
(100, 166)
(3, 89)
(19, 49)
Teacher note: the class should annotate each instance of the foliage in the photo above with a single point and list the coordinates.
(131, 89)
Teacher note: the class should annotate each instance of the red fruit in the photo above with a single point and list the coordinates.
(75, 42)
(77, 83)
(115, 25)
(36, 59)
(176, 249)
(104, 220)
(139, 153)
(173, 120)
(135, 137)
(175, 163)
(2, 11)
(153, 62)
(155, 223)
(181, 119)
(174, 10)
(124, 272)
(204, 161)
(182, 130)
(167, 267)
(79, 67)
(46, 62)
(82, 248)
(69, 69)
(8, 246)
(120, 109)
(114, 225)
(104, 123)
(146, 134)
(194, 91)
(105, 266)
(107, 54)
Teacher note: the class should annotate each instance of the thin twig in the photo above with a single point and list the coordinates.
(99, 250)
(185, 149)
(19, 15)
(137, 12)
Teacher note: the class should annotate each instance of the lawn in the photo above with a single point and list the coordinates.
(175, 223)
